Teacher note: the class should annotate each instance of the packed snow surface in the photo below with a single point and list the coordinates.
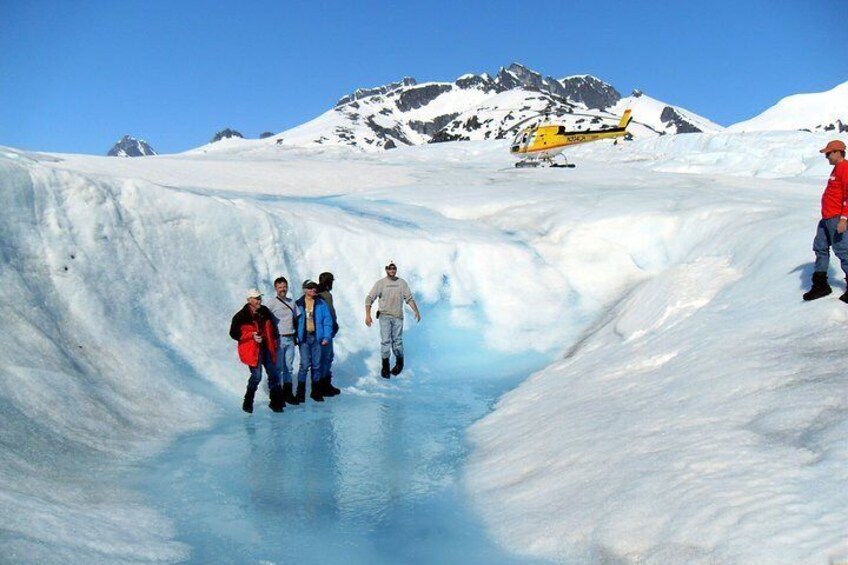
(696, 411)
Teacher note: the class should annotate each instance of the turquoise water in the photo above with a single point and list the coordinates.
(369, 477)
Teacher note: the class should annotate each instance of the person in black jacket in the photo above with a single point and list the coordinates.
(325, 286)
(254, 329)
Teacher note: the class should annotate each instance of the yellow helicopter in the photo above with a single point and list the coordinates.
(539, 144)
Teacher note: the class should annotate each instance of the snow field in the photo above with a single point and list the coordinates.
(697, 413)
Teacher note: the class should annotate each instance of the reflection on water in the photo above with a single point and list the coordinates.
(357, 479)
(370, 477)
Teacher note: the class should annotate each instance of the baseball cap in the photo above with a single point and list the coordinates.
(254, 293)
(309, 284)
(834, 145)
(391, 263)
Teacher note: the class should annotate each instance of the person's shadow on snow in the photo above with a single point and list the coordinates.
(805, 276)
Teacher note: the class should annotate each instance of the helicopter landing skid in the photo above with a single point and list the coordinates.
(533, 163)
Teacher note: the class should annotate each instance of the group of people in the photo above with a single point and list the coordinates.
(268, 334)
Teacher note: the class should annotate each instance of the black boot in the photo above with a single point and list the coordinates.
(844, 297)
(327, 388)
(301, 393)
(316, 392)
(288, 396)
(385, 370)
(277, 402)
(398, 365)
(820, 287)
(247, 405)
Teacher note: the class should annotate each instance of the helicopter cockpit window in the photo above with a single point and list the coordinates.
(561, 130)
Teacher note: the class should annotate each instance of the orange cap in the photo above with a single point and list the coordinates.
(834, 145)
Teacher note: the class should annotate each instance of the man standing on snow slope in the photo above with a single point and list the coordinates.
(325, 287)
(831, 229)
(392, 291)
(256, 333)
(314, 332)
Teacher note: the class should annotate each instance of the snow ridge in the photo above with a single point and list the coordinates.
(816, 112)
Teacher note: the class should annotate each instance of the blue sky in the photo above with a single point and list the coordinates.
(76, 76)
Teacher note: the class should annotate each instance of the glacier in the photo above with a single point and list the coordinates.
(614, 365)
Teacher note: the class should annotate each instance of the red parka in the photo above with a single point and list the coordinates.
(246, 323)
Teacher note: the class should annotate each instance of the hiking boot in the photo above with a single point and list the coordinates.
(316, 392)
(398, 365)
(247, 405)
(288, 396)
(844, 297)
(300, 397)
(277, 403)
(327, 388)
(820, 287)
(384, 372)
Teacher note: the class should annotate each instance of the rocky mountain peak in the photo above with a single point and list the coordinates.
(360, 93)
(519, 76)
(483, 82)
(129, 146)
(226, 134)
(590, 91)
(672, 117)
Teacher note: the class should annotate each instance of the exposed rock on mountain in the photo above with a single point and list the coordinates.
(590, 91)
(129, 146)
(366, 92)
(414, 98)
(673, 118)
(226, 134)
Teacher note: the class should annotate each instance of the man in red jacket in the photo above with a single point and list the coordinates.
(831, 230)
(256, 333)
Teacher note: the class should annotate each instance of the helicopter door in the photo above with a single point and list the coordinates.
(522, 140)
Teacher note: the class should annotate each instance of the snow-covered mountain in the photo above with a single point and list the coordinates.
(129, 146)
(818, 112)
(476, 107)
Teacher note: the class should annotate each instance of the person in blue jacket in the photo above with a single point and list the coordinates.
(314, 332)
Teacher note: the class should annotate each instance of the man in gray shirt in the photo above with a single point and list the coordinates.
(392, 292)
(285, 314)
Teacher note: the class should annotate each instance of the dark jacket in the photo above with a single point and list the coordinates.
(328, 298)
(242, 327)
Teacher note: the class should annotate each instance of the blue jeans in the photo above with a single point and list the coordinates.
(391, 336)
(827, 237)
(327, 357)
(285, 358)
(270, 368)
(310, 358)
